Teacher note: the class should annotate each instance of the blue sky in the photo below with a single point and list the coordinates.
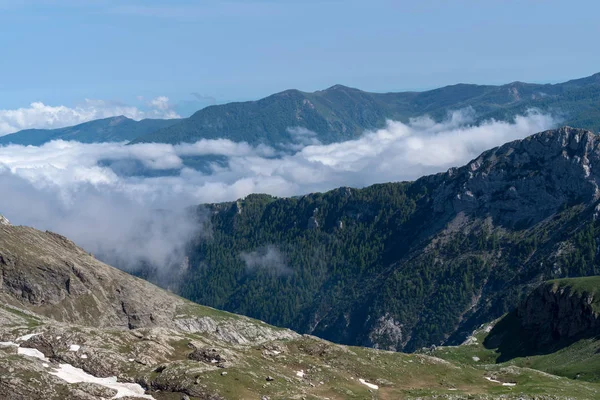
(61, 52)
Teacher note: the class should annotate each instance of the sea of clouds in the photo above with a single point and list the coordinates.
(79, 190)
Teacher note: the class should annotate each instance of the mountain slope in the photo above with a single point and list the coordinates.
(342, 113)
(114, 129)
(404, 265)
(48, 275)
(74, 328)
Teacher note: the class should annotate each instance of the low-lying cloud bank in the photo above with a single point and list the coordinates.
(75, 189)
(42, 116)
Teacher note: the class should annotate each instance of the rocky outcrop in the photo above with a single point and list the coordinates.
(555, 315)
(241, 331)
(386, 333)
(556, 312)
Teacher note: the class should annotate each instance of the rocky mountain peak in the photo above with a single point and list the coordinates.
(524, 181)
(572, 144)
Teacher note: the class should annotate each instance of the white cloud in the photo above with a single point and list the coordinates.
(268, 258)
(43, 116)
(70, 187)
(302, 137)
(160, 103)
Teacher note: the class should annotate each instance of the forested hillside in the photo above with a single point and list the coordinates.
(405, 265)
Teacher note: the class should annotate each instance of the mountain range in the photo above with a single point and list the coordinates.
(338, 113)
(72, 327)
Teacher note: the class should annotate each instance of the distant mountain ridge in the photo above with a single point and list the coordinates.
(338, 113)
(342, 113)
(113, 129)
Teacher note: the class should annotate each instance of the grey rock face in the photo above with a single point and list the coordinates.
(523, 182)
(237, 331)
(386, 333)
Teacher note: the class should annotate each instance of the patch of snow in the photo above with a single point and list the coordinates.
(372, 386)
(84, 356)
(453, 389)
(32, 353)
(8, 344)
(276, 352)
(71, 374)
(4, 220)
(475, 358)
(27, 337)
(58, 337)
(131, 360)
(503, 383)
(300, 374)
(74, 347)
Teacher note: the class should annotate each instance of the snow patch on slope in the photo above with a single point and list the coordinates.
(371, 385)
(71, 374)
(497, 381)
